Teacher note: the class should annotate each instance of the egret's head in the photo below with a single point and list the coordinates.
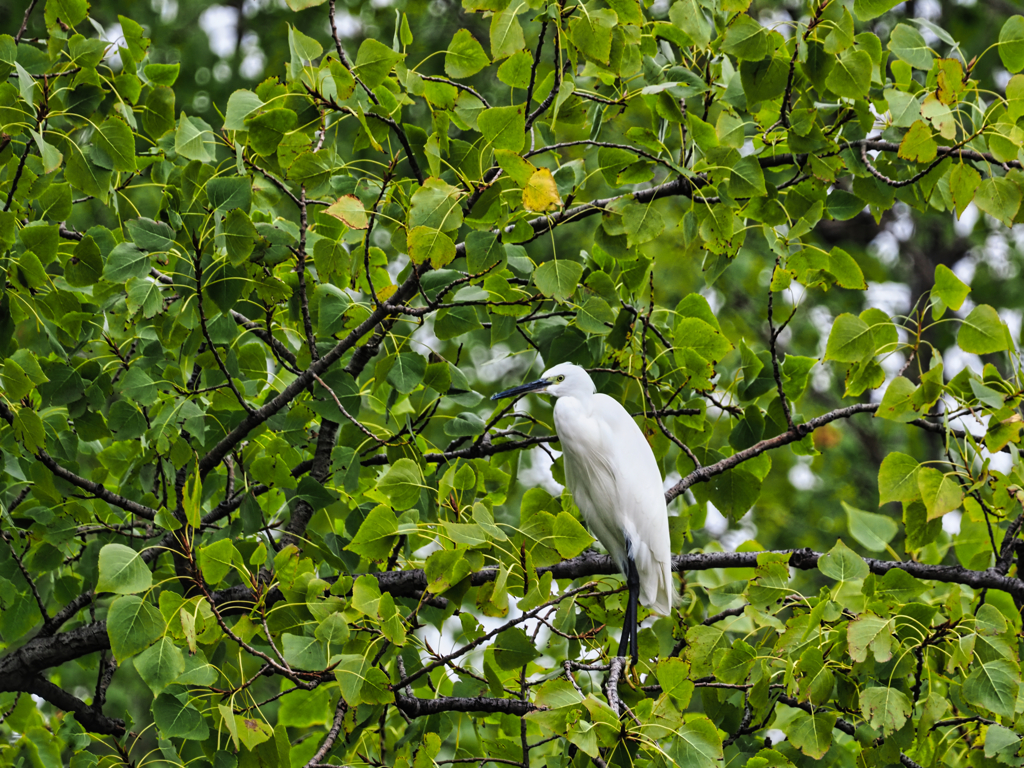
(564, 379)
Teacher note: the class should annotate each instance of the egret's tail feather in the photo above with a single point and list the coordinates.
(655, 580)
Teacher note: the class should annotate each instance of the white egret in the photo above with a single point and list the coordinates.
(614, 479)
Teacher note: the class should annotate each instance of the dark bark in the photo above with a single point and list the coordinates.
(415, 707)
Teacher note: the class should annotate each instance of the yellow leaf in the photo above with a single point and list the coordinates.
(541, 193)
(349, 210)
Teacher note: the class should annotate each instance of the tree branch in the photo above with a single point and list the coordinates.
(96, 489)
(415, 707)
(89, 718)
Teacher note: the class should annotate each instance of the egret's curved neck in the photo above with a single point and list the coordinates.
(580, 393)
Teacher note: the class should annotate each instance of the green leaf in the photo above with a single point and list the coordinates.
(940, 493)
(402, 484)
(465, 56)
(733, 665)
(349, 210)
(746, 178)
(241, 104)
(904, 107)
(963, 183)
(642, 223)
(444, 569)
(301, 5)
(515, 71)
(333, 631)
(252, 731)
(842, 563)
(114, 138)
(897, 479)
(28, 428)
(376, 536)
(869, 633)
(897, 401)
(125, 261)
(160, 664)
(851, 75)
(993, 686)
(407, 372)
(303, 652)
(178, 720)
(843, 205)
(850, 340)
(999, 197)
(149, 235)
(698, 743)
(918, 145)
(866, 10)
(982, 332)
(455, 321)
(514, 649)
(871, 530)
(228, 193)
(504, 127)
(558, 278)
(218, 559)
(568, 537)
(1011, 43)
(133, 37)
(519, 170)
(908, 45)
(374, 62)
(746, 40)
(846, 270)
(436, 204)
(591, 32)
(16, 383)
(430, 245)
(464, 425)
(122, 571)
(240, 236)
(71, 12)
(593, 316)
(52, 158)
(162, 74)
(885, 709)
(506, 32)
(812, 734)
(132, 625)
(949, 288)
(194, 139)
(698, 335)
(688, 15)
(304, 50)
(1002, 744)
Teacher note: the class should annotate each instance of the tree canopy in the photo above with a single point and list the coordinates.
(257, 509)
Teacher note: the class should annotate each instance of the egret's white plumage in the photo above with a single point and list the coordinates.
(614, 478)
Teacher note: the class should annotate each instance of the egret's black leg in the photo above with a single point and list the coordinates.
(628, 641)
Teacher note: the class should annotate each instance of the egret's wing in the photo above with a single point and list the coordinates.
(590, 473)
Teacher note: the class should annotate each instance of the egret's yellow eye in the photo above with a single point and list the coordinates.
(559, 379)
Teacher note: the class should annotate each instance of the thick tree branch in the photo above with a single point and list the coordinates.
(321, 468)
(415, 707)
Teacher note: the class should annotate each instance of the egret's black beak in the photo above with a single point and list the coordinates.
(533, 386)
